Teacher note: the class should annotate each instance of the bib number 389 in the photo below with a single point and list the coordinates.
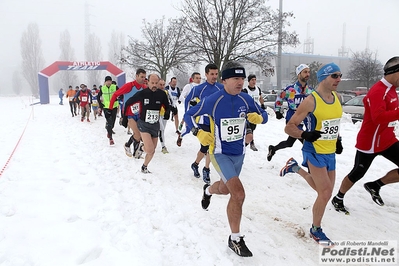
(330, 129)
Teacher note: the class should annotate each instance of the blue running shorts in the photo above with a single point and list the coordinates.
(227, 166)
(319, 160)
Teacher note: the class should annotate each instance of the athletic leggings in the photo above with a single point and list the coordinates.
(364, 160)
(72, 105)
(286, 143)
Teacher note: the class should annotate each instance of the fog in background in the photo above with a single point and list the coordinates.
(325, 20)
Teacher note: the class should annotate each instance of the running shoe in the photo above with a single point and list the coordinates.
(253, 147)
(206, 175)
(164, 150)
(179, 140)
(194, 166)
(288, 168)
(339, 205)
(271, 153)
(321, 238)
(206, 199)
(127, 150)
(145, 170)
(239, 247)
(375, 194)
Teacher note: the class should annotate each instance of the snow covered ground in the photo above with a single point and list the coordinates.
(68, 198)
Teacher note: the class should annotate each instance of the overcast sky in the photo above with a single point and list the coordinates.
(325, 20)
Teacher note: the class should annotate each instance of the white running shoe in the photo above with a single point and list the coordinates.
(128, 151)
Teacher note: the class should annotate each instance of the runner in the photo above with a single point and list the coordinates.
(376, 136)
(105, 94)
(150, 102)
(323, 111)
(72, 101)
(85, 97)
(294, 95)
(228, 110)
(197, 94)
(255, 92)
(127, 91)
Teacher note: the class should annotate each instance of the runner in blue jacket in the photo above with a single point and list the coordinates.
(228, 111)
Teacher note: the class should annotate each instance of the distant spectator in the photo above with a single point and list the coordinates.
(61, 95)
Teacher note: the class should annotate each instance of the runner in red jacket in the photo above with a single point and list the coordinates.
(376, 136)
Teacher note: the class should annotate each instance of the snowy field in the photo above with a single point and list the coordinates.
(68, 198)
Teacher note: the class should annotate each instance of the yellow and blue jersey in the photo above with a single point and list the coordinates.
(325, 118)
(227, 115)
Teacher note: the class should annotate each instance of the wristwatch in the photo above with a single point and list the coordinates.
(195, 130)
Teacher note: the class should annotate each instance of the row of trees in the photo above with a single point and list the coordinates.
(208, 31)
(211, 31)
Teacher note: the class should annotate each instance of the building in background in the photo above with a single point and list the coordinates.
(290, 60)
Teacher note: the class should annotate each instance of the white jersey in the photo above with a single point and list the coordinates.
(255, 93)
(174, 94)
(186, 90)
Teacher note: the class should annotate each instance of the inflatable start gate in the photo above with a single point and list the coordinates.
(70, 66)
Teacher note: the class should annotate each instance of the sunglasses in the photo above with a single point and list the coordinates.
(335, 76)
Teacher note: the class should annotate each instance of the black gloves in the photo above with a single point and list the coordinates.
(279, 115)
(338, 147)
(311, 135)
(263, 106)
(193, 102)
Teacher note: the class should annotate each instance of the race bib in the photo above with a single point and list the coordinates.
(256, 98)
(135, 108)
(152, 116)
(232, 129)
(330, 129)
(84, 98)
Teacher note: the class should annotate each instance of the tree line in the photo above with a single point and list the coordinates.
(214, 31)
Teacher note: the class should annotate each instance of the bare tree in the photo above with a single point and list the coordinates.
(16, 82)
(32, 56)
(163, 49)
(93, 54)
(67, 54)
(312, 81)
(223, 30)
(365, 67)
(115, 47)
(182, 78)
